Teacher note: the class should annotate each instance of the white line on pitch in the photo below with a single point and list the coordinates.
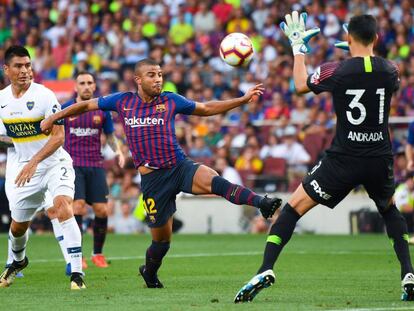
(375, 309)
(170, 256)
(218, 255)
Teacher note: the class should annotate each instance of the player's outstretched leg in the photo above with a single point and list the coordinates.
(407, 285)
(240, 195)
(254, 286)
(280, 233)
(398, 233)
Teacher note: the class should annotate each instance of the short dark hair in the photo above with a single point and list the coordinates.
(81, 73)
(144, 62)
(363, 28)
(15, 50)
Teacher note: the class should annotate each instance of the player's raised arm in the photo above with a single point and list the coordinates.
(73, 110)
(219, 106)
(295, 29)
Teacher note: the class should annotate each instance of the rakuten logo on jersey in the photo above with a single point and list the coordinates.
(80, 132)
(139, 122)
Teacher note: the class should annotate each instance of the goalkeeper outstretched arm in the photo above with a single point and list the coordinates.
(300, 75)
(294, 28)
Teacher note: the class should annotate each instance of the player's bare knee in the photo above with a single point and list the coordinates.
(79, 207)
(100, 210)
(63, 205)
(18, 229)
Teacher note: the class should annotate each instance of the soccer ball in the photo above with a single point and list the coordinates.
(236, 49)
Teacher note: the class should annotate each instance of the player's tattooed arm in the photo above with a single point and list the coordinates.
(73, 110)
(213, 107)
(6, 141)
(113, 142)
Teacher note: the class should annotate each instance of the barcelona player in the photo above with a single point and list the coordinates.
(83, 143)
(148, 118)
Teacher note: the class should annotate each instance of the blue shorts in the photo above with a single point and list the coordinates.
(90, 184)
(160, 188)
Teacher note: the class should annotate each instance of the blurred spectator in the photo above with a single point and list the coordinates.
(199, 149)
(135, 48)
(293, 151)
(409, 149)
(268, 150)
(404, 200)
(222, 11)
(249, 160)
(204, 19)
(226, 171)
(126, 223)
(181, 32)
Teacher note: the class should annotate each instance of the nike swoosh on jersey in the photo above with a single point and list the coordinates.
(73, 118)
(3, 106)
(127, 109)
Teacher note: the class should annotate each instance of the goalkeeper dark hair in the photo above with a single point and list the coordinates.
(15, 50)
(363, 28)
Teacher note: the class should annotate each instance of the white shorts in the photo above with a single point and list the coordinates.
(39, 192)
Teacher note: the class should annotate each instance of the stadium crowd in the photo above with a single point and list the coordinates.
(108, 38)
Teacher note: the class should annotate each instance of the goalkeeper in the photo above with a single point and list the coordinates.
(360, 154)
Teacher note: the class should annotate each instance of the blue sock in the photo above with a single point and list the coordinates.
(234, 193)
(153, 257)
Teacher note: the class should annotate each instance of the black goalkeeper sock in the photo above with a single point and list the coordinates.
(280, 233)
(79, 221)
(153, 257)
(100, 226)
(398, 233)
(234, 193)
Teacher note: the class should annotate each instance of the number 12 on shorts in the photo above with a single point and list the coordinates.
(149, 206)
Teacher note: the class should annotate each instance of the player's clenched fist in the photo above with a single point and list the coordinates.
(46, 125)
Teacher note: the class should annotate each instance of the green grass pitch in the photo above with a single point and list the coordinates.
(204, 272)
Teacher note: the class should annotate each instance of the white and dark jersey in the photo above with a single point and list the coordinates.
(361, 88)
(21, 119)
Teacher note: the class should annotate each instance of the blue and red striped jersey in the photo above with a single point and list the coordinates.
(83, 136)
(149, 127)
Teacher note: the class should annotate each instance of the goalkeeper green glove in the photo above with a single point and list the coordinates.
(295, 30)
(343, 44)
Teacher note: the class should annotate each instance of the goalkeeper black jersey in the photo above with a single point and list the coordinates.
(362, 88)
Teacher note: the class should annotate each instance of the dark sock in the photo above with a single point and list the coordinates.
(398, 233)
(280, 233)
(153, 257)
(100, 226)
(234, 193)
(79, 221)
